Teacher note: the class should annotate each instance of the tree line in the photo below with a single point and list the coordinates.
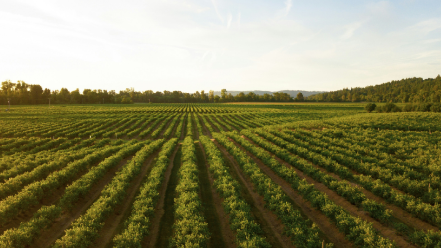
(409, 90)
(23, 93)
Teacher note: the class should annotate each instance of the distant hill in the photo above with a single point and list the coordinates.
(416, 90)
(292, 93)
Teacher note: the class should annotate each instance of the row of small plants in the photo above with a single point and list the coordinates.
(360, 232)
(45, 216)
(84, 230)
(31, 195)
(180, 126)
(190, 228)
(408, 203)
(394, 174)
(302, 231)
(136, 227)
(248, 232)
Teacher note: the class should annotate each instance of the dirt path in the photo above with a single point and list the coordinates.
(385, 231)
(156, 221)
(50, 235)
(270, 224)
(228, 235)
(115, 221)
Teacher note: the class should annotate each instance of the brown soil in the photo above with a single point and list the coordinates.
(228, 236)
(385, 231)
(150, 240)
(116, 220)
(50, 235)
(270, 224)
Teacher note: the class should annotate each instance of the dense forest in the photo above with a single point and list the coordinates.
(409, 90)
(23, 93)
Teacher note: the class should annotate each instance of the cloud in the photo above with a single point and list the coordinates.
(288, 5)
(230, 19)
(217, 11)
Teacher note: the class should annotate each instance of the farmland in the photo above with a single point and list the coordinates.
(219, 175)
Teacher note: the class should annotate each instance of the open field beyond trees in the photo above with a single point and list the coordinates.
(219, 175)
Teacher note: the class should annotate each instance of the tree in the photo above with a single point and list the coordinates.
(300, 97)
(36, 93)
(223, 94)
(211, 96)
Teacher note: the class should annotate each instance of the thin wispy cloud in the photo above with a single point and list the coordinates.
(217, 11)
(288, 5)
(229, 20)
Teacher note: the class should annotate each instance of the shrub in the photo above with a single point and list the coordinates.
(370, 107)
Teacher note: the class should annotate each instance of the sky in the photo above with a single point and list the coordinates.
(195, 45)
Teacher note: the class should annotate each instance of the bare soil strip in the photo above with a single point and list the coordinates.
(270, 224)
(159, 210)
(387, 232)
(161, 237)
(209, 207)
(116, 220)
(50, 235)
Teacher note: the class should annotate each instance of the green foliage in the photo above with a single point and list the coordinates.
(370, 107)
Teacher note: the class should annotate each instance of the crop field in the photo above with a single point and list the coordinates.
(219, 175)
